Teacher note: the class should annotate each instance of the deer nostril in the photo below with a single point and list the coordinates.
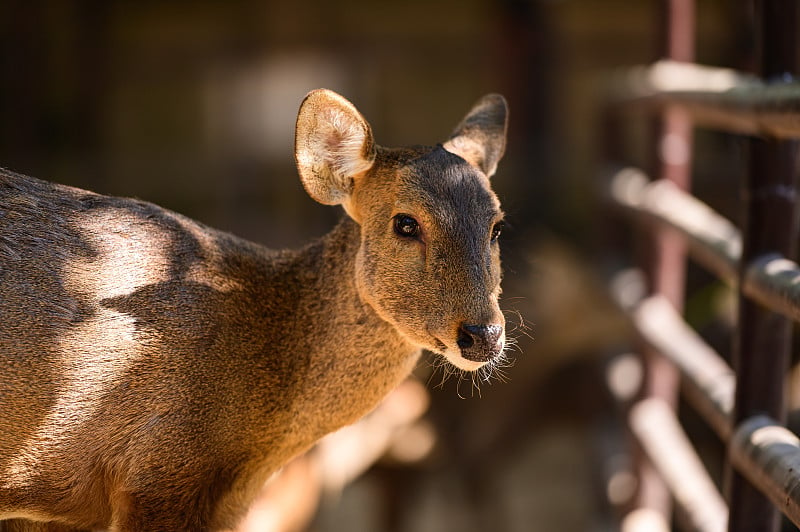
(465, 339)
(479, 342)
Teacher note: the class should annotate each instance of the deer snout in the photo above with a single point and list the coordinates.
(480, 343)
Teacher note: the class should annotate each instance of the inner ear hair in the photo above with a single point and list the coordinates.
(342, 144)
(333, 143)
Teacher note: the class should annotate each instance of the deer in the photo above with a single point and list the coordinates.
(155, 372)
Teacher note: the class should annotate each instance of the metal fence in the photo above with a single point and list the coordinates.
(745, 404)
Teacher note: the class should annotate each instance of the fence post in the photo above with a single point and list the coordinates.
(762, 345)
(667, 267)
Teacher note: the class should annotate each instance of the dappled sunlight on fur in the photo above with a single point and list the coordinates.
(160, 371)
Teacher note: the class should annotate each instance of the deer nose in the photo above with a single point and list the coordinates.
(480, 343)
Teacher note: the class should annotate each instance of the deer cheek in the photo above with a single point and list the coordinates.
(373, 286)
(391, 288)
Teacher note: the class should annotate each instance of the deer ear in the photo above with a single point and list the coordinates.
(480, 138)
(333, 143)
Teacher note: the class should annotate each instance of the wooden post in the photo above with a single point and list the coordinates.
(668, 253)
(762, 346)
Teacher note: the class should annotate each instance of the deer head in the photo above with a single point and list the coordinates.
(429, 260)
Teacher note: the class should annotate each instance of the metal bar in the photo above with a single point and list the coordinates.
(774, 282)
(716, 98)
(708, 381)
(763, 340)
(660, 434)
(644, 520)
(668, 78)
(713, 240)
(768, 455)
(772, 111)
(770, 279)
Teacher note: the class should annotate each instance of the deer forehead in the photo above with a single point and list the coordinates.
(428, 182)
(449, 190)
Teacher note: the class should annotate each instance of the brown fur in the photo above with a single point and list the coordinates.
(157, 371)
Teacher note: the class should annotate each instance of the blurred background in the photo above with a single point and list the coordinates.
(191, 105)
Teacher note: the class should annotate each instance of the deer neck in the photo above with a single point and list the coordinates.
(355, 356)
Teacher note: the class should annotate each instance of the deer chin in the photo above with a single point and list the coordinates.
(454, 357)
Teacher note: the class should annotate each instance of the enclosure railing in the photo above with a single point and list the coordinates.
(744, 404)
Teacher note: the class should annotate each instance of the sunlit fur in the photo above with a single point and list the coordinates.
(156, 371)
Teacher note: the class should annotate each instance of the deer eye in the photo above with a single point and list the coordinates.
(405, 225)
(497, 229)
